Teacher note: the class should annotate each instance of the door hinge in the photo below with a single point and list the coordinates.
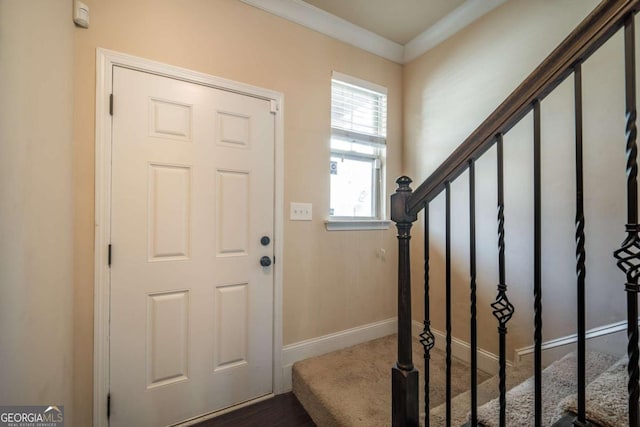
(274, 106)
(108, 405)
(111, 104)
(109, 255)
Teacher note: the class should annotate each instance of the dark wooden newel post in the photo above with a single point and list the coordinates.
(404, 376)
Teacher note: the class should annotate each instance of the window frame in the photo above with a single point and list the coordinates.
(376, 177)
(378, 159)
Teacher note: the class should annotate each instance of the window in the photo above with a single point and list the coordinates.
(358, 145)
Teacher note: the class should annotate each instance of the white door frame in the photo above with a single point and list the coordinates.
(105, 61)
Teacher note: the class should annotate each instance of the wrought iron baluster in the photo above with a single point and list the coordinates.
(537, 267)
(628, 255)
(472, 286)
(581, 270)
(426, 337)
(502, 308)
(448, 302)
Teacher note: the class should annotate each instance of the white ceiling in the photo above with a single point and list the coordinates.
(398, 30)
(397, 20)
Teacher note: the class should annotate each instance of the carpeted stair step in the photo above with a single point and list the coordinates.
(606, 398)
(558, 382)
(487, 390)
(352, 387)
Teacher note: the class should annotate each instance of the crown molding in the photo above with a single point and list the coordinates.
(326, 23)
(458, 19)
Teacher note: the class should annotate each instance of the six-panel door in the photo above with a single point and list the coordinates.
(192, 195)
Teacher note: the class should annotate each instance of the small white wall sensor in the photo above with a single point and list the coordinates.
(81, 14)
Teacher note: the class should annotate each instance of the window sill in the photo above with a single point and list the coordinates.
(356, 224)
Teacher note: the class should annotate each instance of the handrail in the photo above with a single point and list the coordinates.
(592, 33)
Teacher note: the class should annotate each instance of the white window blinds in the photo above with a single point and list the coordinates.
(358, 113)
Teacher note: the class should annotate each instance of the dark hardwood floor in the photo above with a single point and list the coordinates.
(283, 410)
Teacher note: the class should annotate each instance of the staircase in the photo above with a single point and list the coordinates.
(488, 141)
(358, 395)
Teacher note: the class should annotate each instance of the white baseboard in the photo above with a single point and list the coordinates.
(608, 339)
(332, 342)
(487, 361)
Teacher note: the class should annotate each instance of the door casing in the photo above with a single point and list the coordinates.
(105, 61)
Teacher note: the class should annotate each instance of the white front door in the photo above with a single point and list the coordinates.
(191, 327)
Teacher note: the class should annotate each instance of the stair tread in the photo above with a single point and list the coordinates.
(351, 387)
(520, 392)
(487, 390)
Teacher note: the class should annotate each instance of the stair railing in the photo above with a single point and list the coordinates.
(564, 61)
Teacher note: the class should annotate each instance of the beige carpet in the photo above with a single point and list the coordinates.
(558, 381)
(352, 387)
(606, 398)
(487, 390)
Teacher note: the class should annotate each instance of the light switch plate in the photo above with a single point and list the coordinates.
(301, 211)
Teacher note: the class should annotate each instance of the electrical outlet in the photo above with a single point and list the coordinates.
(301, 211)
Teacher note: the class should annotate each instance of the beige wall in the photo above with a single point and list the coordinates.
(448, 92)
(36, 230)
(332, 280)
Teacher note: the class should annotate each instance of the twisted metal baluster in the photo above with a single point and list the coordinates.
(502, 308)
(426, 337)
(448, 349)
(628, 255)
(581, 270)
(537, 266)
(473, 298)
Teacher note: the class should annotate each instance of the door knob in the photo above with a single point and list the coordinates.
(265, 240)
(265, 261)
